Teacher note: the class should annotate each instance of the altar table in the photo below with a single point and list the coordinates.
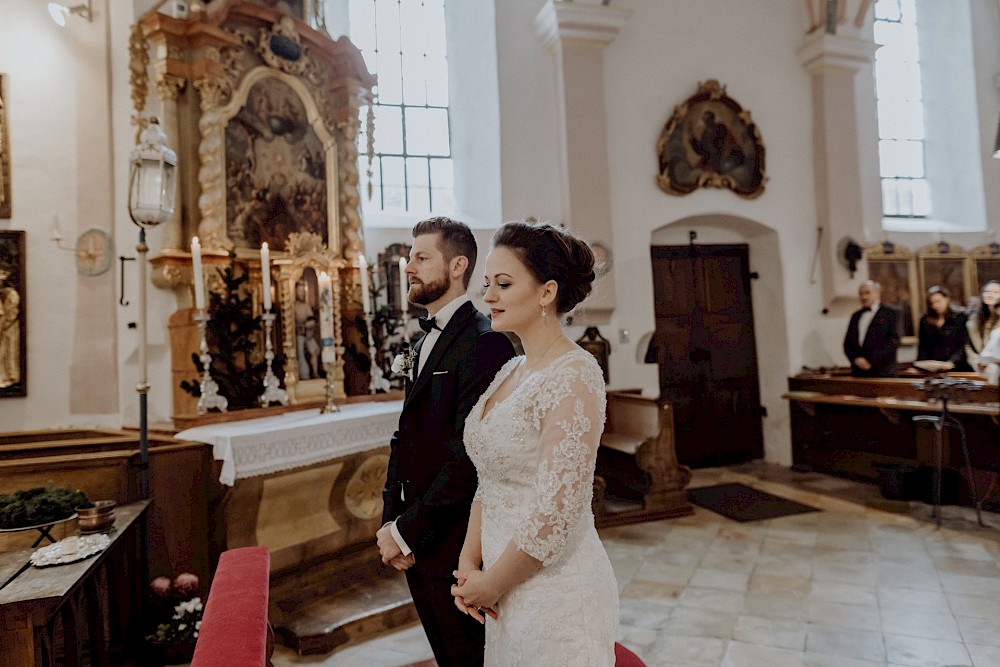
(295, 439)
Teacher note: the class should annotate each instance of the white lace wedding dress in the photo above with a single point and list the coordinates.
(535, 453)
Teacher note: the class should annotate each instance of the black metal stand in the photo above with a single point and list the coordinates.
(943, 390)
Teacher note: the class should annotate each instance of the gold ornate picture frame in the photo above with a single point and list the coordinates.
(948, 266)
(985, 265)
(5, 203)
(894, 268)
(711, 142)
(298, 282)
(13, 315)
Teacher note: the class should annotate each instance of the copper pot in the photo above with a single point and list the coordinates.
(96, 519)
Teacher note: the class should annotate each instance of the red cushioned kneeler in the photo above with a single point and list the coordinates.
(234, 628)
(625, 658)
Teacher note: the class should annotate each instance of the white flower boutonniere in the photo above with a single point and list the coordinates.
(405, 363)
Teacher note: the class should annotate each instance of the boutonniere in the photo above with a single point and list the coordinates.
(405, 363)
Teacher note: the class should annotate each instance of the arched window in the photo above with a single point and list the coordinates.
(403, 43)
(905, 189)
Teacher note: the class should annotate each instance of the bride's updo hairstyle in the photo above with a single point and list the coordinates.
(551, 253)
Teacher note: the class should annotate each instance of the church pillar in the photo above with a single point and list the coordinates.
(576, 34)
(843, 100)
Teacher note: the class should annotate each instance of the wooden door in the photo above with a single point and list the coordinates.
(705, 348)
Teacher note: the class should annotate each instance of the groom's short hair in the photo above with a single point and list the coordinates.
(455, 240)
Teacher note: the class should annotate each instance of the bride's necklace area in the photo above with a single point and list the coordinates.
(524, 371)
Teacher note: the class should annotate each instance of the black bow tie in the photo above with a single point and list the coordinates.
(427, 323)
(866, 309)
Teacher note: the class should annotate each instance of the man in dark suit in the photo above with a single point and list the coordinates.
(431, 482)
(873, 335)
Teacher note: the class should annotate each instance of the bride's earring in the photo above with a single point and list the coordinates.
(544, 312)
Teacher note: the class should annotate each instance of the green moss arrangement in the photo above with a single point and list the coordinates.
(39, 505)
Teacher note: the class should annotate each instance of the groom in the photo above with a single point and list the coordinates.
(431, 482)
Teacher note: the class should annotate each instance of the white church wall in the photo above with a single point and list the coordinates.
(40, 60)
(655, 63)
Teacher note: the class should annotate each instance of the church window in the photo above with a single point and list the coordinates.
(403, 43)
(905, 189)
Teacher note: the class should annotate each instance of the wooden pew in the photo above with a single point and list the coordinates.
(637, 463)
(234, 630)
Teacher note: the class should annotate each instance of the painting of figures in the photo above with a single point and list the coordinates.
(276, 180)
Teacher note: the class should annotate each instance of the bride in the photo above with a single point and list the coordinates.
(546, 582)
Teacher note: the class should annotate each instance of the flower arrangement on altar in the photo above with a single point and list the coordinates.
(177, 611)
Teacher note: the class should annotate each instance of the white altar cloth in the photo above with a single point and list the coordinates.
(296, 439)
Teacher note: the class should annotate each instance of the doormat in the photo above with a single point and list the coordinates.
(743, 503)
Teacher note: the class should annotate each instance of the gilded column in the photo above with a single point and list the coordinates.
(168, 88)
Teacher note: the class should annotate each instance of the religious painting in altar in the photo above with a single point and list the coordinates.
(276, 170)
(5, 205)
(13, 317)
(711, 141)
(893, 268)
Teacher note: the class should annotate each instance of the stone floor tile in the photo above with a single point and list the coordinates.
(670, 651)
(725, 580)
(780, 633)
(918, 652)
(775, 605)
(924, 623)
(835, 591)
(977, 606)
(985, 656)
(908, 598)
(820, 660)
(981, 631)
(713, 598)
(694, 622)
(839, 614)
(740, 654)
(845, 642)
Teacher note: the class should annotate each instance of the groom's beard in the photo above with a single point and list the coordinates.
(426, 293)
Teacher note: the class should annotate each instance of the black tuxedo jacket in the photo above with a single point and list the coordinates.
(880, 344)
(431, 482)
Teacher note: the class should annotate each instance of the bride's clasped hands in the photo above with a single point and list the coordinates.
(474, 595)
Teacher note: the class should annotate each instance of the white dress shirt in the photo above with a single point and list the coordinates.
(865, 321)
(441, 319)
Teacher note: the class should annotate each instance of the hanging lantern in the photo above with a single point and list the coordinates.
(152, 179)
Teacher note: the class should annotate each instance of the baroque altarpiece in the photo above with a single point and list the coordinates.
(263, 109)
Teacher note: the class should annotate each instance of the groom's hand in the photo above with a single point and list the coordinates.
(387, 545)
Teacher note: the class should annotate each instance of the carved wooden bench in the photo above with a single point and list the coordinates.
(637, 463)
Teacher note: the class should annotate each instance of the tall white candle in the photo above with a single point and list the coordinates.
(328, 354)
(365, 294)
(265, 272)
(403, 287)
(199, 280)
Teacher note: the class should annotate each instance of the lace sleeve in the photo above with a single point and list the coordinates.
(569, 413)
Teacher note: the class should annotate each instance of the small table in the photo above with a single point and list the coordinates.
(105, 589)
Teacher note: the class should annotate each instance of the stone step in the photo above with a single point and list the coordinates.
(355, 614)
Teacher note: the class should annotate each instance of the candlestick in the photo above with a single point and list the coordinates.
(365, 295)
(265, 271)
(272, 390)
(329, 366)
(404, 303)
(210, 397)
(199, 280)
(377, 380)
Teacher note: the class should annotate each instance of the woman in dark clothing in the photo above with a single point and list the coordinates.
(943, 335)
